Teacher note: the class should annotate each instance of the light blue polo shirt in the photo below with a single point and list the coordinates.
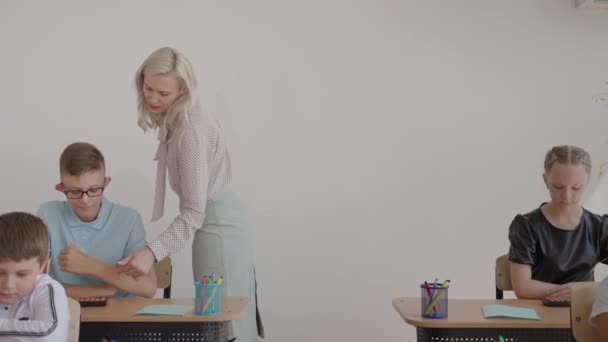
(117, 232)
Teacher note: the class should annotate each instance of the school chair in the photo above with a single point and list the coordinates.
(74, 323)
(503, 276)
(164, 271)
(581, 303)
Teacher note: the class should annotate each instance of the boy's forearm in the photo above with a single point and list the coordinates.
(144, 286)
(83, 291)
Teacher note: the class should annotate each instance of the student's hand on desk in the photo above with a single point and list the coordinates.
(72, 260)
(564, 290)
(137, 264)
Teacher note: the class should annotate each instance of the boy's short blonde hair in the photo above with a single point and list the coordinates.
(80, 157)
(23, 236)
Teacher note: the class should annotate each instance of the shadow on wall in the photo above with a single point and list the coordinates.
(597, 202)
(215, 103)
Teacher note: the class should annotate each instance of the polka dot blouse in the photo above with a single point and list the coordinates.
(196, 158)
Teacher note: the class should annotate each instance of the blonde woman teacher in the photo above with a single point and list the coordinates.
(193, 150)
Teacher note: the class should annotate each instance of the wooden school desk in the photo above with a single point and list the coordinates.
(116, 321)
(465, 321)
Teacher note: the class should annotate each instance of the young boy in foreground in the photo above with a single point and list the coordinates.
(33, 306)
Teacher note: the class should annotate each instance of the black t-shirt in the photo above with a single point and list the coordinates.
(559, 256)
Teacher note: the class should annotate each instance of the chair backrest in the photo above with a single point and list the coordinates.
(503, 275)
(164, 271)
(74, 324)
(581, 303)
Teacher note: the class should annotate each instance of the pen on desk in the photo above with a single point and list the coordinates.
(201, 301)
(435, 288)
(211, 296)
(437, 293)
(217, 284)
(433, 301)
(428, 291)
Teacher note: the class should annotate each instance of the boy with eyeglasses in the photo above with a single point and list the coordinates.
(89, 234)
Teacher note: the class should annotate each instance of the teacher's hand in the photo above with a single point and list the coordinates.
(137, 263)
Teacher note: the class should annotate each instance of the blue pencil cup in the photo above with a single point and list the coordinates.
(434, 300)
(207, 299)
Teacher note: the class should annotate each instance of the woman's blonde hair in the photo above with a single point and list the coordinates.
(166, 61)
(567, 154)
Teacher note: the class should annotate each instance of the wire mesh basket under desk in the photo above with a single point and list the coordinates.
(154, 331)
(491, 335)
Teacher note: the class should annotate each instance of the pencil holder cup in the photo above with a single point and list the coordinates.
(207, 299)
(434, 300)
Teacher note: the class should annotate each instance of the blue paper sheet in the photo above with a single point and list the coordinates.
(504, 311)
(172, 310)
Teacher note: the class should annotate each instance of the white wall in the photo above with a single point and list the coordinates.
(376, 143)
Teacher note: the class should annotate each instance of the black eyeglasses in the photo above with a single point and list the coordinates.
(75, 194)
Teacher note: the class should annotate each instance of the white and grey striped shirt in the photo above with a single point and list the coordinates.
(43, 315)
(199, 168)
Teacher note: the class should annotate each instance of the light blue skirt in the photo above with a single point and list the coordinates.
(222, 246)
